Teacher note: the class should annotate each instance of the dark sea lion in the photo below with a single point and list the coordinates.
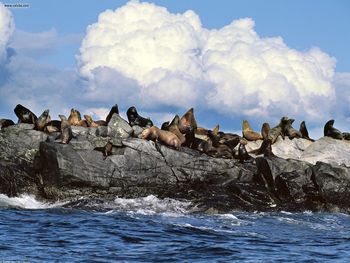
(135, 119)
(265, 130)
(43, 119)
(278, 130)
(265, 148)
(214, 148)
(52, 126)
(4, 123)
(165, 137)
(243, 155)
(165, 125)
(229, 139)
(330, 131)
(173, 127)
(113, 110)
(24, 115)
(66, 130)
(346, 135)
(248, 133)
(304, 132)
(290, 131)
(74, 117)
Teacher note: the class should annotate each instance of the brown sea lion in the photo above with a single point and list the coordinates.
(278, 130)
(52, 126)
(304, 132)
(113, 110)
(248, 133)
(290, 131)
(229, 139)
(214, 148)
(173, 127)
(74, 117)
(43, 119)
(90, 121)
(187, 121)
(168, 138)
(201, 131)
(66, 130)
(4, 123)
(135, 119)
(265, 130)
(330, 131)
(24, 115)
(243, 155)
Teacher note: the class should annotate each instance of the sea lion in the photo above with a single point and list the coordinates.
(229, 139)
(243, 155)
(265, 148)
(290, 131)
(346, 135)
(187, 121)
(44, 118)
(24, 115)
(155, 134)
(113, 110)
(66, 130)
(248, 133)
(278, 130)
(265, 130)
(201, 131)
(74, 117)
(90, 121)
(173, 127)
(135, 119)
(214, 148)
(4, 123)
(52, 126)
(165, 125)
(304, 132)
(330, 131)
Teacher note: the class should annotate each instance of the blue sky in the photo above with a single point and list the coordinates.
(49, 34)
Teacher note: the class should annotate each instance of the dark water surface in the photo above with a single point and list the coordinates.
(153, 230)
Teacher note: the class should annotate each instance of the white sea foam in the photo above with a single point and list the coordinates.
(150, 205)
(23, 201)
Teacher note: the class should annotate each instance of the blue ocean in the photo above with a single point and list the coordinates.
(153, 230)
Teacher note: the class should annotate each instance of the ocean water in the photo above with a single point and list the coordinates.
(153, 230)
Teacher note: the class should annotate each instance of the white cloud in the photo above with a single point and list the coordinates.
(232, 70)
(7, 26)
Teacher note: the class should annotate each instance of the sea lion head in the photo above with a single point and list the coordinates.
(62, 117)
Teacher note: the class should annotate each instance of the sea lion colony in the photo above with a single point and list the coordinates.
(180, 132)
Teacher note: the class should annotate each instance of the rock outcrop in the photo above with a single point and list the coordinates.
(315, 177)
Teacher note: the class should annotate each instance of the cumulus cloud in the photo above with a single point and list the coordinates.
(174, 61)
(7, 27)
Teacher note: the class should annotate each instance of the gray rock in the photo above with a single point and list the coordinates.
(119, 128)
(102, 131)
(137, 130)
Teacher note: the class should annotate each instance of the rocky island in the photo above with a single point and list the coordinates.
(300, 175)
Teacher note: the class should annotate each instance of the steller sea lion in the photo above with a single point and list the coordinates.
(173, 127)
(265, 148)
(330, 131)
(52, 126)
(214, 148)
(346, 135)
(201, 131)
(243, 155)
(66, 130)
(290, 131)
(4, 123)
(74, 117)
(155, 134)
(90, 121)
(265, 130)
(187, 121)
(113, 110)
(43, 119)
(135, 119)
(304, 132)
(248, 133)
(24, 115)
(278, 130)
